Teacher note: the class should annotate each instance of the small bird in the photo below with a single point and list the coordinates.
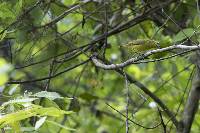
(141, 45)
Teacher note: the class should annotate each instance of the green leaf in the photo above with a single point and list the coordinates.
(57, 10)
(88, 97)
(4, 69)
(17, 116)
(51, 111)
(49, 103)
(23, 100)
(18, 6)
(3, 35)
(61, 126)
(15, 127)
(196, 20)
(13, 89)
(27, 129)
(5, 11)
(183, 34)
(21, 36)
(74, 105)
(49, 95)
(34, 110)
(37, 15)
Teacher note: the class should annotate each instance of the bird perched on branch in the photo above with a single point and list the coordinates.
(141, 45)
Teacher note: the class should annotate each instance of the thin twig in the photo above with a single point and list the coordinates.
(127, 101)
(132, 120)
(50, 73)
(162, 121)
(49, 77)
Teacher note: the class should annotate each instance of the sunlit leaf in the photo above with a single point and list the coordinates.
(22, 100)
(13, 89)
(49, 95)
(39, 123)
(16, 127)
(3, 35)
(29, 112)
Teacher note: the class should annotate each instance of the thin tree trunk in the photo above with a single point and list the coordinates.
(191, 106)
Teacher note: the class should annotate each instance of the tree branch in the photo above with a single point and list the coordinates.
(49, 77)
(148, 53)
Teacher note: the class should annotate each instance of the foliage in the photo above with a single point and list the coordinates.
(17, 110)
(47, 72)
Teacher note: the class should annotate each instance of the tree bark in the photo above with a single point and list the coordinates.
(192, 103)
